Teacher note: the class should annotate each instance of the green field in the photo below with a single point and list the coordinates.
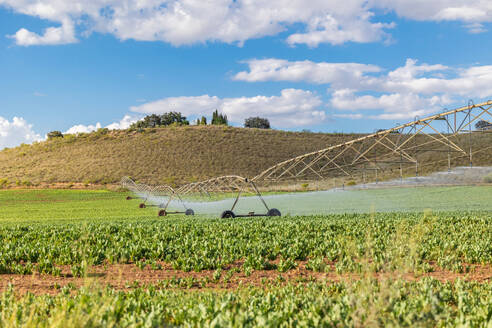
(20, 205)
(400, 199)
(52, 205)
(57, 234)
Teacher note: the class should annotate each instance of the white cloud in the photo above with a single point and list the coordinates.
(182, 22)
(463, 13)
(81, 128)
(186, 105)
(291, 108)
(393, 106)
(304, 71)
(410, 90)
(349, 116)
(476, 28)
(52, 36)
(330, 30)
(471, 11)
(475, 81)
(15, 132)
(124, 123)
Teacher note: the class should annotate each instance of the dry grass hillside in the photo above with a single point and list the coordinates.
(178, 155)
(172, 155)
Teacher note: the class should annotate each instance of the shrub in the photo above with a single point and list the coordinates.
(257, 122)
(4, 183)
(488, 178)
(153, 121)
(483, 125)
(101, 132)
(351, 183)
(54, 134)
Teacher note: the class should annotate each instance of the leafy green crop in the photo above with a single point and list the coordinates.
(365, 303)
(390, 240)
(41, 230)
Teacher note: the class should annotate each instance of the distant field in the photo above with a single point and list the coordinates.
(399, 199)
(26, 205)
(101, 258)
(21, 205)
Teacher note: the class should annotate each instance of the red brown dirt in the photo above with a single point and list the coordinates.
(126, 276)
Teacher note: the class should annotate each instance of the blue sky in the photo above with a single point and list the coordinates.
(73, 66)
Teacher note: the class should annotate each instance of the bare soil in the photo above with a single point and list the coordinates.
(127, 276)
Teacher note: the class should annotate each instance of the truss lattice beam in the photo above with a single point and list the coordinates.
(403, 142)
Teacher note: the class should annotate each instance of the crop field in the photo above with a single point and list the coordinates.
(91, 258)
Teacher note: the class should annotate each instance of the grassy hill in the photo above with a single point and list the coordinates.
(176, 155)
(172, 155)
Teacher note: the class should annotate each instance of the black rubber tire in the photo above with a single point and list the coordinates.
(189, 212)
(162, 213)
(228, 215)
(128, 197)
(142, 205)
(273, 212)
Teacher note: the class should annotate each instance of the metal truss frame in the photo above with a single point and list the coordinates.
(148, 193)
(376, 153)
(399, 145)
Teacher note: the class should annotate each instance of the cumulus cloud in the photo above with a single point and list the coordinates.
(393, 106)
(124, 123)
(52, 36)
(304, 71)
(413, 89)
(182, 22)
(187, 105)
(15, 132)
(81, 128)
(327, 29)
(291, 108)
(468, 11)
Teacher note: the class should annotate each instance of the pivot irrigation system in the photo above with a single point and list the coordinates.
(161, 196)
(443, 140)
(157, 196)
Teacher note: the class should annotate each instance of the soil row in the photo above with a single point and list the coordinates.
(127, 276)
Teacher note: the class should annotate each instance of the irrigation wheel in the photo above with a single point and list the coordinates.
(142, 205)
(162, 213)
(228, 215)
(128, 197)
(189, 212)
(273, 212)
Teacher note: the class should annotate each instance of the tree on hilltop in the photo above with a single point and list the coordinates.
(483, 125)
(219, 119)
(154, 120)
(54, 134)
(257, 122)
